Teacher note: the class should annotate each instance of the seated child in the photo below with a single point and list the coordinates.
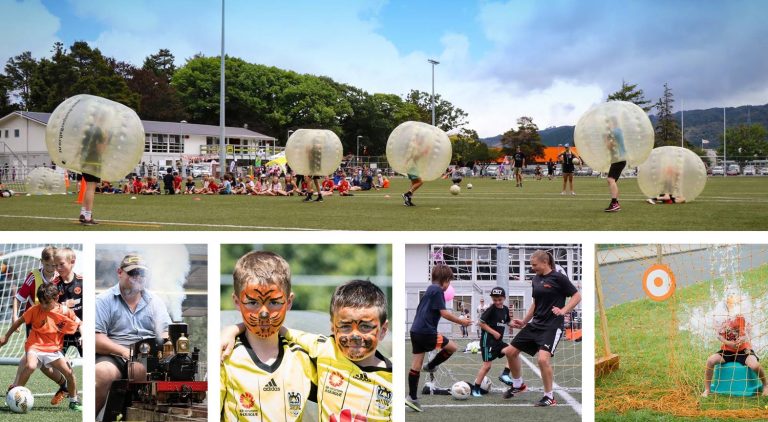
(735, 348)
(189, 187)
(50, 321)
(355, 379)
(266, 377)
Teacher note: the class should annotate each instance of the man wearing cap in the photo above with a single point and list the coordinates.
(566, 158)
(125, 314)
(493, 322)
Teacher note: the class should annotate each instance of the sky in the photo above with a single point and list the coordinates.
(499, 60)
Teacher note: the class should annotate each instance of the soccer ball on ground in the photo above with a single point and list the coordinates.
(455, 189)
(461, 390)
(469, 185)
(486, 384)
(20, 399)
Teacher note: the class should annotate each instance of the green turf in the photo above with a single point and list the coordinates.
(42, 410)
(739, 203)
(493, 407)
(640, 333)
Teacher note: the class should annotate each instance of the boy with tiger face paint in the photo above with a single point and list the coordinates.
(267, 377)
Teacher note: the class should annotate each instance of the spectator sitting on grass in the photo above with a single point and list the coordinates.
(344, 188)
(327, 187)
(276, 187)
(290, 185)
(226, 185)
(250, 186)
(176, 183)
(189, 186)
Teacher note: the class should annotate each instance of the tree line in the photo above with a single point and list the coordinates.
(267, 99)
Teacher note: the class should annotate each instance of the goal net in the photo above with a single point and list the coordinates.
(16, 262)
(667, 310)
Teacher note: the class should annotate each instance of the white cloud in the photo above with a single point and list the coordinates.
(26, 26)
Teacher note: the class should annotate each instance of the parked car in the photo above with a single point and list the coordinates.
(466, 172)
(718, 171)
(733, 170)
(749, 171)
(763, 171)
(583, 171)
(492, 170)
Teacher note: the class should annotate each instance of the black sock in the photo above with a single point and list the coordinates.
(440, 358)
(413, 383)
(505, 371)
(476, 387)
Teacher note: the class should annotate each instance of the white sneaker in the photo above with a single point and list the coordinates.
(573, 193)
(562, 193)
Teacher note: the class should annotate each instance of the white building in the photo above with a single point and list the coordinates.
(478, 269)
(22, 142)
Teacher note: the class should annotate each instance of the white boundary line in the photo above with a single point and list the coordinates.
(564, 394)
(226, 226)
(481, 405)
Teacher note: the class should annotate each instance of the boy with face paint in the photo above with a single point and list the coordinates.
(267, 377)
(354, 379)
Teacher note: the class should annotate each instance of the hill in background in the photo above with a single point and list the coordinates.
(699, 124)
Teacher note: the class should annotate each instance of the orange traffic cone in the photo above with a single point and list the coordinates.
(81, 194)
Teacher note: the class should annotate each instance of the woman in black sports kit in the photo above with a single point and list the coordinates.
(542, 326)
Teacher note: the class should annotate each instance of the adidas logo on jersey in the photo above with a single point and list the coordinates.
(271, 386)
(362, 377)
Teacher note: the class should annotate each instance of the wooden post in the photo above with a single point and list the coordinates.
(609, 362)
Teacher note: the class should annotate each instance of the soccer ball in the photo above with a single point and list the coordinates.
(20, 399)
(469, 185)
(455, 189)
(486, 384)
(474, 349)
(576, 161)
(461, 390)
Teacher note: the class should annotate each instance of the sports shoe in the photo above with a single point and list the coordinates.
(308, 197)
(407, 200)
(425, 368)
(573, 193)
(476, 392)
(613, 207)
(413, 404)
(75, 405)
(90, 222)
(650, 201)
(546, 401)
(506, 379)
(60, 394)
(562, 193)
(82, 218)
(319, 197)
(512, 391)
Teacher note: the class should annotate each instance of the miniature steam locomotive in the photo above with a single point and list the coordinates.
(172, 375)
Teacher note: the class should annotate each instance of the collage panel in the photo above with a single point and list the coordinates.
(308, 332)
(151, 337)
(468, 305)
(41, 355)
(681, 329)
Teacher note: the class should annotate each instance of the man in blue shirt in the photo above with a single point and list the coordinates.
(125, 314)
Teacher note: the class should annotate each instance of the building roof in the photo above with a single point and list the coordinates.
(151, 126)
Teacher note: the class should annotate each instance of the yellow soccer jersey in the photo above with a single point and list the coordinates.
(347, 392)
(254, 391)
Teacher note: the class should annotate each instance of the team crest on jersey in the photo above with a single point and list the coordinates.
(294, 403)
(78, 290)
(383, 397)
(361, 377)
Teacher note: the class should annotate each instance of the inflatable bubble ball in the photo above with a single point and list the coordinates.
(676, 171)
(313, 152)
(419, 149)
(46, 181)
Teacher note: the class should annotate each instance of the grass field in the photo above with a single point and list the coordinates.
(493, 407)
(43, 389)
(661, 372)
(738, 203)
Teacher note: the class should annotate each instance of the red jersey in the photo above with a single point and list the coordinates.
(343, 186)
(327, 185)
(177, 183)
(212, 186)
(137, 186)
(732, 330)
(28, 289)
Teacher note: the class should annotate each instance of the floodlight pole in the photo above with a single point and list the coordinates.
(725, 148)
(222, 144)
(357, 156)
(434, 62)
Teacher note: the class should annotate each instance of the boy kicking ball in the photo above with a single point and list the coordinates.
(493, 323)
(50, 321)
(424, 335)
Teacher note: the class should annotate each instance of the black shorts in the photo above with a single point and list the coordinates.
(120, 363)
(616, 168)
(493, 351)
(422, 343)
(740, 357)
(90, 178)
(568, 169)
(532, 339)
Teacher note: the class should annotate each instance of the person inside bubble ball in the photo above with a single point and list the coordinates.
(614, 140)
(671, 176)
(418, 148)
(94, 144)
